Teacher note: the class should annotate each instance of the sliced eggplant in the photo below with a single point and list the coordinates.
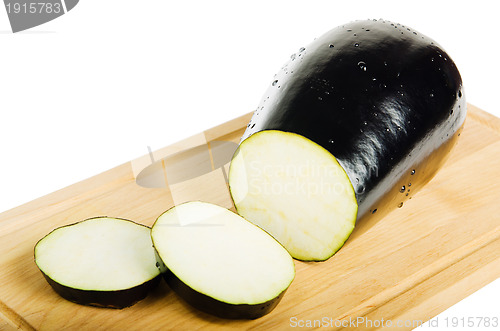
(220, 263)
(102, 261)
(351, 127)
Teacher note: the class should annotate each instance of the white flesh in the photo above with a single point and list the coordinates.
(295, 190)
(218, 253)
(101, 254)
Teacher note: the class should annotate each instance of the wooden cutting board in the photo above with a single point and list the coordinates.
(441, 246)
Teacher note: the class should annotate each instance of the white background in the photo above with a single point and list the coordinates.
(97, 86)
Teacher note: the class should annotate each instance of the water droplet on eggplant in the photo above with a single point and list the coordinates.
(362, 65)
(275, 82)
(331, 46)
(356, 44)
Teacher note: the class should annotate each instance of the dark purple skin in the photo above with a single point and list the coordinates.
(107, 299)
(385, 100)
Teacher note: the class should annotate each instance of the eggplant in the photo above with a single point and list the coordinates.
(101, 261)
(350, 127)
(220, 263)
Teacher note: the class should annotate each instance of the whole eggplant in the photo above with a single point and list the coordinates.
(385, 100)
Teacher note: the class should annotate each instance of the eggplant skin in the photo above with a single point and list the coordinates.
(384, 99)
(213, 306)
(106, 299)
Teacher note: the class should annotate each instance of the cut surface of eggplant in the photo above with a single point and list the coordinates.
(220, 263)
(384, 100)
(291, 183)
(102, 261)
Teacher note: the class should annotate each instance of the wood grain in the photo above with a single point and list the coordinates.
(411, 265)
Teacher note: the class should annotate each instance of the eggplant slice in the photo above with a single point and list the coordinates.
(384, 100)
(102, 261)
(220, 263)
